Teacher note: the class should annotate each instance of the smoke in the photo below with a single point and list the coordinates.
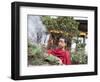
(37, 32)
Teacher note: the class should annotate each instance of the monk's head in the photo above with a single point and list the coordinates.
(62, 42)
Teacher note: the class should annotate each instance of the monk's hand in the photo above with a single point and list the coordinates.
(59, 61)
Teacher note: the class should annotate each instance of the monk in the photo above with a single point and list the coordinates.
(61, 52)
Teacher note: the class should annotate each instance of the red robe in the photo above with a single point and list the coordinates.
(63, 55)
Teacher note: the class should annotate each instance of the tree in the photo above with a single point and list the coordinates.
(64, 24)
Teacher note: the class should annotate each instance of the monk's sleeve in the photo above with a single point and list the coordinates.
(51, 52)
(68, 58)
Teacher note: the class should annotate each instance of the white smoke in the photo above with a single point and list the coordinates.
(37, 33)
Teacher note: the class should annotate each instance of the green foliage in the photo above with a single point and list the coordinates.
(61, 23)
(34, 50)
(79, 56)
(37, 56)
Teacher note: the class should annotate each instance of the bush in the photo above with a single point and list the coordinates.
(79, 58)
(38, 56)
